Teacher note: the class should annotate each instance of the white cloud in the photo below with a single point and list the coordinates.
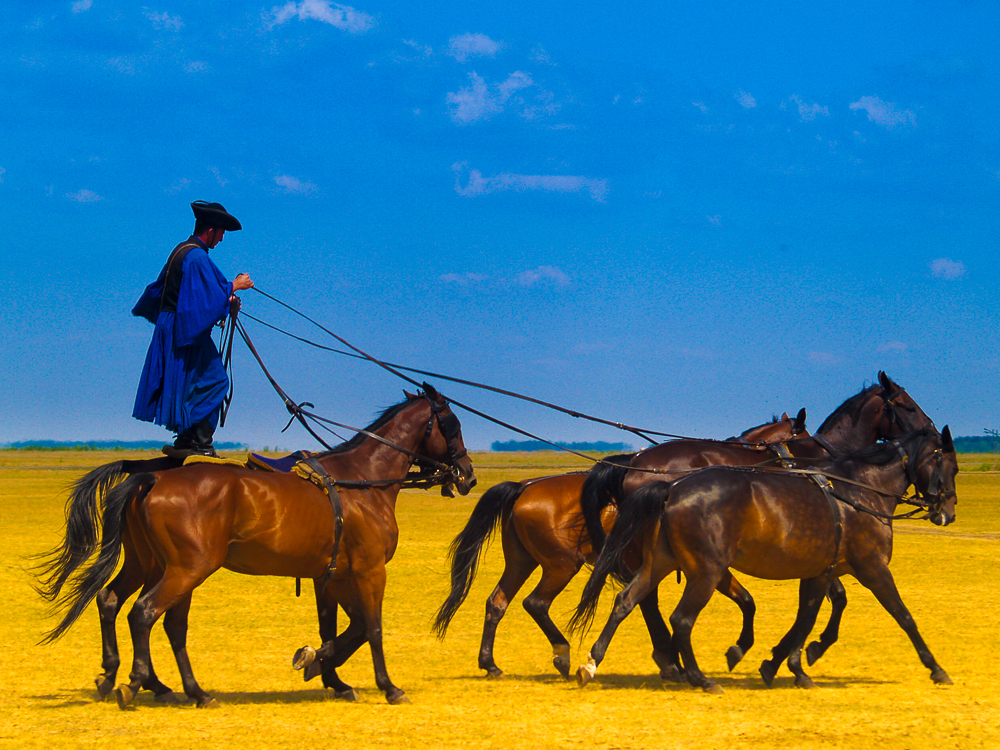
(2, 173)
(423, 49)
(481, 100)
(824, 359)
(84, 196)
(543, 275)
(884, 113)
(343, 17)
(463, 279)
(701, 106)
(745, 99)
(196, 66)
(181, 184)
(294, 184)
(808, 112)
(81, 5)
(893, 346)
(165, 21)
(946, 268)
(464, 46)
(476, 184)
(218, 176)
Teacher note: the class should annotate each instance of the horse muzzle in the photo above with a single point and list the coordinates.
(942, 519)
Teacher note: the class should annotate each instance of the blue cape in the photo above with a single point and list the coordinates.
(183, 380)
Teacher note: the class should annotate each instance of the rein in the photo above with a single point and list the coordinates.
(419, 479)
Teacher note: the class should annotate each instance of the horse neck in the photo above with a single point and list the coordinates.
(891, 478)
(373, 460)
(385, 461)
(854, 427)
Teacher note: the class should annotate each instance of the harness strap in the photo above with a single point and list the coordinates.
(785, 457)
(838, 519)
(311, 469)
(172, 276)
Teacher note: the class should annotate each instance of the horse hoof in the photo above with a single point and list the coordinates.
(941, 677)
(208, 702)
(768, 671)
(804, 681)
(104, 687)
(303, 657)
(713, 688)
(494, 673)
(313, 670)
(734, 656)
(345, 695)
(586, 673)
(562, 665)
(813, 651)
(167, 699)
(399, 699)
(124, 696)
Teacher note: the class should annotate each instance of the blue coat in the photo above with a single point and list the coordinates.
(183, 380)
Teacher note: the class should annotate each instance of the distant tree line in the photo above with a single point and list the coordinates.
(984, 444)
(537, 445)
(103, 445)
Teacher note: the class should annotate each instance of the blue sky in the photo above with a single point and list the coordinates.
(683, 216)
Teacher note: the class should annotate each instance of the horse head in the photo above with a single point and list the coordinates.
(900, 413)
(776, 431)
(933, 467)
(443, 442)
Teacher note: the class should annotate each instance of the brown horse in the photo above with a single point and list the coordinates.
(541, 525)
(879, 412)
(184, 524)
(777, 525)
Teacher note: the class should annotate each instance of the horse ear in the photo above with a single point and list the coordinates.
(887, 385)
(949, 445)
(408, 394)
(429, 390)
(800, 420)
(784, 417)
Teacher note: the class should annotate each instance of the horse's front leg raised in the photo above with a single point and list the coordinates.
(734, 590)
(838, 601)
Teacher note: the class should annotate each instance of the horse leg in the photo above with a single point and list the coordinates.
(700, 586)
(734, 590)
(110, 600)
(645, 581)
(664, 653)
(881, 583)
(517, 568)
(838, 601)
(811, 592)
(554, 580)
(372, 589)
(165, 594)
(175, 622)
(336, 648)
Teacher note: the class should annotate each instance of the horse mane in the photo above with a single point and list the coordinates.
(388, 414)
(848, 407)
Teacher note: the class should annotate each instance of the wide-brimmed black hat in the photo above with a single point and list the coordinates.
(215, 215)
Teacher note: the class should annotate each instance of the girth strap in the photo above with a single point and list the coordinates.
(838, 518)
(311, 469)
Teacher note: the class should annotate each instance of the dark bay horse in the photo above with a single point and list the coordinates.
(184, 524)
(541, 524)
(881, 411)
(777, 525)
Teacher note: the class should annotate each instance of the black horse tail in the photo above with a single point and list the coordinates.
(643, 505)
(602, 487)
(66, 568)
(467, 547)
(82, 515)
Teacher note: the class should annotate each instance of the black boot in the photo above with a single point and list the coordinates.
(201, 439)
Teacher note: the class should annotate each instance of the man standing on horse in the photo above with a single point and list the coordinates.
(184, 381)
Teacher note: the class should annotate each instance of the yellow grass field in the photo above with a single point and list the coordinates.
(243, 631)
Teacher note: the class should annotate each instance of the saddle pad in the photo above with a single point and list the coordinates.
(283, 464)
(213, 460)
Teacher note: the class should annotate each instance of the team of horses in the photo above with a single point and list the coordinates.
(774, 502)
